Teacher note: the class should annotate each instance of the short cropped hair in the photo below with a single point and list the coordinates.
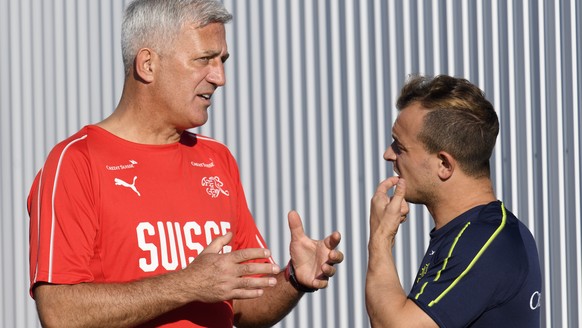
(156, 23)
(460, 121)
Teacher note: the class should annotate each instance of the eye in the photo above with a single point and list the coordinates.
(396, 147)
(204, 60)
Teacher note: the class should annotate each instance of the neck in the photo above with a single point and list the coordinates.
(138, 122)
(458, 198)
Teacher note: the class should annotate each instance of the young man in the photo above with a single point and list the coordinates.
(481, 268)
(136, 221)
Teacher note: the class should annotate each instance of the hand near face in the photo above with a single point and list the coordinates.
(215, 277)
(387, 213)
(313, 260)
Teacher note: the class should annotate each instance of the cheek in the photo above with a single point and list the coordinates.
(409, 168)
(197, 78)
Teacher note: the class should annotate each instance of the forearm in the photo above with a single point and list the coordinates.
(385, 297)
(268, 309)
(109, 305)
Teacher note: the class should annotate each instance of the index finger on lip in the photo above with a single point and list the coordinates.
(385, 185)
(399, 191)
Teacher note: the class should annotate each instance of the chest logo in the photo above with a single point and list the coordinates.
(423, 272)
(208, 165)
(214, 186)
(119, 182)
(131, 165)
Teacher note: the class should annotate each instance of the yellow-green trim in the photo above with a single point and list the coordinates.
(421, 290)
(475, 259)
(438, 275)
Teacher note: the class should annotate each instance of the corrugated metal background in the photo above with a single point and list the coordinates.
(307, 111)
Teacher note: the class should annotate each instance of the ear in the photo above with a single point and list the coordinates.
(145, 63)
(447, 165)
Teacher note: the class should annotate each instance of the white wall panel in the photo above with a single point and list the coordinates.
(307, 111)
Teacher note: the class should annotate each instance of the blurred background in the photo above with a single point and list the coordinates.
(307, 112)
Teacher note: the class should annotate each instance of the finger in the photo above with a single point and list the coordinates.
(242, 294)
(295, 225)
(399, 191)
(253, 287)
(332, 240)
(335, 257)
(404, 209)
(250, 269)
(320, 283)
(328, 270)
(218, 243)
(396, 204)
(256, 282)
(385, 185)
(247, 254)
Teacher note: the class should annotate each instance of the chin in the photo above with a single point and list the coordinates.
(199, 119)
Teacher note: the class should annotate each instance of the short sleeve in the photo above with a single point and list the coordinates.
(474, 271)
(63, 223)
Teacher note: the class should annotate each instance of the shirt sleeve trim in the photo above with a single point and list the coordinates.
(53, 218)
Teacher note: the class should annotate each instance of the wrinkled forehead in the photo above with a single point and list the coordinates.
(212, 35)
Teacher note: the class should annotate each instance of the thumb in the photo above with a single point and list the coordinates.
(218, 243)
(295, 225)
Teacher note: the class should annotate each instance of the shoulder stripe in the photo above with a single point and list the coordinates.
(53, 218)
(421, 290)
(38, 222)
(475, 259)
(208, 139)
(446, 261)
(451, 250)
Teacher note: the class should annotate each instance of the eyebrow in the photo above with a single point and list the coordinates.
(225, 57)
(214, 54)
(397, 142)
(395, 138)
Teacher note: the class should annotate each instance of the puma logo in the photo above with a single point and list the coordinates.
(119, 182)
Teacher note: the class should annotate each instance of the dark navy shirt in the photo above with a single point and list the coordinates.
(481, 270)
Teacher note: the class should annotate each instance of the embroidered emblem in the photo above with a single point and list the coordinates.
(214, 186)
(423, 272)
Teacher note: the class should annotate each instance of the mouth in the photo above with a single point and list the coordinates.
(395, 169)
(205, 96)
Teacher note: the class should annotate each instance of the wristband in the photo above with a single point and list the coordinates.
(290, 276)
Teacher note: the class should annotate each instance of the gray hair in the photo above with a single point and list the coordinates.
(156, 23)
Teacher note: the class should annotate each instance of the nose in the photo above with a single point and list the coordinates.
(216, 75)
(389, 154)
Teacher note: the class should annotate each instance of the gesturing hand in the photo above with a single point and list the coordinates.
(313, 260)
(214, 277)
(386, 214)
